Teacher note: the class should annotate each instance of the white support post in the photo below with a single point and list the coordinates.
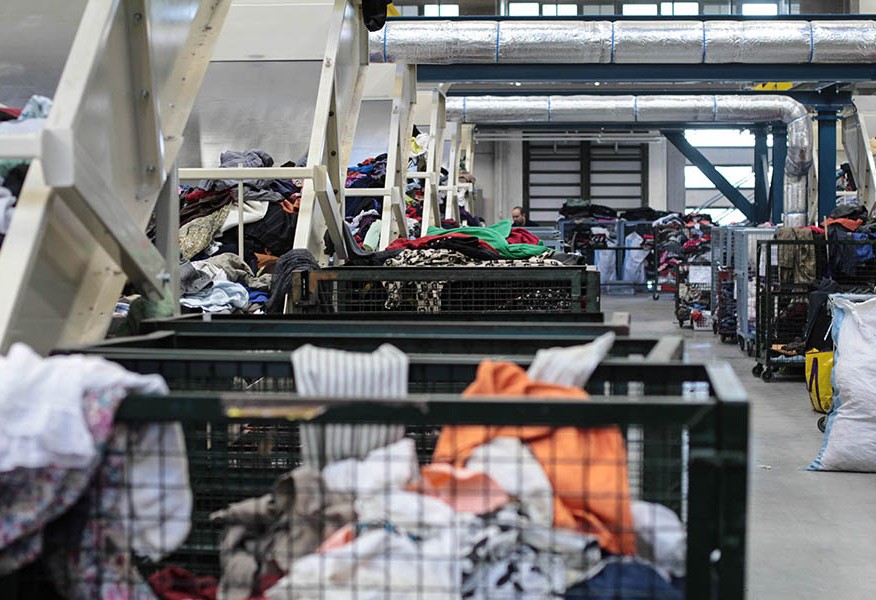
(240, 216)
(393, 222)
(467, 144)
(337, 111)
(434, 155)
(167, 234)
(451, 204)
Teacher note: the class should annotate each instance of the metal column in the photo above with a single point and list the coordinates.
(761, 165)
(826, 162)
(777, 186)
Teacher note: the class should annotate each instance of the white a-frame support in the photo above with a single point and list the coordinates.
(337, 111)
(98, 168)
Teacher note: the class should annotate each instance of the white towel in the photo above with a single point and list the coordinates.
(328, 373)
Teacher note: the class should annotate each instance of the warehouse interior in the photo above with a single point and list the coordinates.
(476, 299)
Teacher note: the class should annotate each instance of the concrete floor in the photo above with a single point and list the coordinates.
(810, 535)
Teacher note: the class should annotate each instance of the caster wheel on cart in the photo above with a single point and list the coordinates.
(656, 296)
(822, 424)
(767, 375)
(757, 370)
(749, 349)
(741, 341)
(715, 330)
(680, 323)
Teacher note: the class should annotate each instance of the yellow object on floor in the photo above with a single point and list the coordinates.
(819, 366)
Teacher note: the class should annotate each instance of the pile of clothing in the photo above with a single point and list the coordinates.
(223, 283)
(584, 209)
(29, 119)
(495, 512)
(851, 263)
(209, 214)
(500, 245)
(726, 309)
(681, 239)
(82, 495)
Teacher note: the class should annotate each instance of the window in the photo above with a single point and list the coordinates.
(722, 138)
(559, 10)
(441, 10)
(677, 9)
(524, 9)
(752, 9)
(739, 176)
(637, 10)
(598, 9)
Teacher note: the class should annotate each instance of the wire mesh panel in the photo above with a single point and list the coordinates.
(790, 270)
(722, 258)
(745, 270)
(446, 290)
(504, 498)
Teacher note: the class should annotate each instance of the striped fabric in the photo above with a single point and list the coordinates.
(323, 372)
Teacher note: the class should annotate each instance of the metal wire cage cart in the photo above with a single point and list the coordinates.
(790, 270)
(671, 435)
(744, 273)
(723, 295)
(692, 294)
(508, 290)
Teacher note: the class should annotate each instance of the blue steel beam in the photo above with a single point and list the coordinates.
(761, 166)
(826, 163)
(678, 140)
(551, 73)
(777, 187)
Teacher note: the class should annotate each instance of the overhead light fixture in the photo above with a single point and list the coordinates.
(517, 84)
(596, 83)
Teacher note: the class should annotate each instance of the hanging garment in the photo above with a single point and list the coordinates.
(326, 373)
(634, 260)
(282, 281)
(43, 423)
(796, 261)
(591, 496)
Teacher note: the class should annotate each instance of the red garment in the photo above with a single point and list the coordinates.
(519, 235)
(423, 242)
(175, 583)
(199, 194)
(12, 112)
(816, 230)
(847, 224)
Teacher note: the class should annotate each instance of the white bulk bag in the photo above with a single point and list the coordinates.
(850, 435)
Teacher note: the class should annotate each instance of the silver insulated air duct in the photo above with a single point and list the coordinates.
(435, 42)
(521, 110)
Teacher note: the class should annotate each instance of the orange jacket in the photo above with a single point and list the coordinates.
(586, 467)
